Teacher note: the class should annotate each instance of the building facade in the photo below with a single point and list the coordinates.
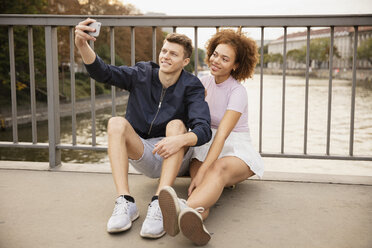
(343, 41)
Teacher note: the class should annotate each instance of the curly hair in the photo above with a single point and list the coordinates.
(245, 50)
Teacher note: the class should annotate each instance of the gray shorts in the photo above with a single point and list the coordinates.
(150, 164)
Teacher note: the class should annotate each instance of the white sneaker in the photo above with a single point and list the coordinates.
(152, 227)
(124, 213)
(170, 206)
(192, 227)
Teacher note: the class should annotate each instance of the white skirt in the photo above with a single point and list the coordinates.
(239, 145)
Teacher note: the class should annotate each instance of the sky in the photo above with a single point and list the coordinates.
(249, 7)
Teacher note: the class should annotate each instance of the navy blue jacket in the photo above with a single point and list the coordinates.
(150, 105)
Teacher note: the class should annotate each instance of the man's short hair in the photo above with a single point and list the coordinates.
(182, 40)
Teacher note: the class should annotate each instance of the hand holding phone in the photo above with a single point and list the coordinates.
(97, 27)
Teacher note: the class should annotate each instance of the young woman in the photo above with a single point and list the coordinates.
(229, 158)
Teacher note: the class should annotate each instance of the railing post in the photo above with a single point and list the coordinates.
(73, 84)
(283, 88)
(196, 59)
(261, 88)
(154, 59)
(132, 46)
(32, 84)
(93, 103)
(51, 54)
(13, 84)
(112, 52)
(353, 92)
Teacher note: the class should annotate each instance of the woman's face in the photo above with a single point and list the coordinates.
(222, 62)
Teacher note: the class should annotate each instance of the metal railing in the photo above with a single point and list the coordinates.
(51, 22)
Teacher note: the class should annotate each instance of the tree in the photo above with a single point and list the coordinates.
(319, 52)
(23, 7)
(143, 46)
(201, 56)
(266, 59)
(21, 51)
(275, 58)
(297, 55)
(365, 50)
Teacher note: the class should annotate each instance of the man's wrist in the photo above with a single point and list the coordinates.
(190, 139)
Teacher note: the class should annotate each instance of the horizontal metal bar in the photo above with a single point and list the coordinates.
(23, 145)
(192, 21)
(82, 147)
(315, 156)
(5, 144)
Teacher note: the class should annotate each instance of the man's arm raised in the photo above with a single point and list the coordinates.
(81, 40)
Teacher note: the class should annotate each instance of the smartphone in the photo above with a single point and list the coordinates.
(97, 26)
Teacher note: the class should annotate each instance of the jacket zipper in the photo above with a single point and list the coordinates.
(157, 112)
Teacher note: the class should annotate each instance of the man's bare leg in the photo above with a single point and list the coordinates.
(123, 143)
(172, 164)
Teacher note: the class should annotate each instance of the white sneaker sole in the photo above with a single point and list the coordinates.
(192, 227)
(117, 230)
(170, 210)
(152, 236)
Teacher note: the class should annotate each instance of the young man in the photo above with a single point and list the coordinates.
(166, 115)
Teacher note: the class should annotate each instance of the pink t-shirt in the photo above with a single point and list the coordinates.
(228, 95)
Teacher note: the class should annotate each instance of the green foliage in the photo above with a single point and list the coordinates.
(365, 50)
(104, 52)
(297, 55)
(265, 50)
(20, 42)
(201, 56)
(88, 7)
(319, 52)
(82, 87)
(266, 59)
(275, 57)
(23, 7)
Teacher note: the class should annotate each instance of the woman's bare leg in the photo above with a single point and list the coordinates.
(224, 172)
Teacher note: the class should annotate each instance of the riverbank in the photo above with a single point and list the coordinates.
(364, 79)
(81, 106)
(363, 76)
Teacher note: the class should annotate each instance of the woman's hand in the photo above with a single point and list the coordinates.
(197, 180)
(169, 146)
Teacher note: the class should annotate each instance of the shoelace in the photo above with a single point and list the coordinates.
(154, 212)
(199, 209)
(121, 207)
(184, 202)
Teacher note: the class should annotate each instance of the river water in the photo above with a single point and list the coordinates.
(271, 129)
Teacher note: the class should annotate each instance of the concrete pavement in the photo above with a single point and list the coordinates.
(70, 209)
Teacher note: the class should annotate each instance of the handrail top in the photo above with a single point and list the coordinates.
(193, 21)
(189, 16)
